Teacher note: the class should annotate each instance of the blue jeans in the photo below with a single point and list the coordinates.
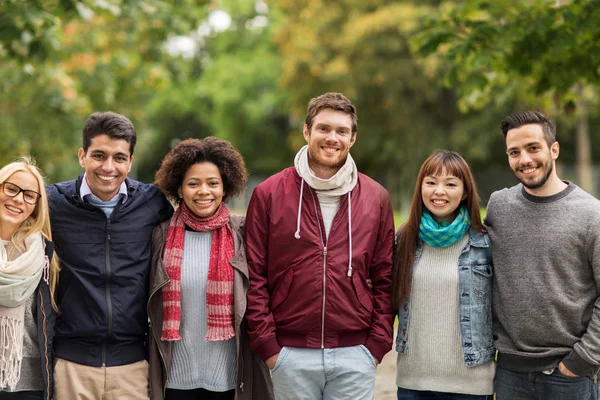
(512, 385)
(407, 394)
(324, 374)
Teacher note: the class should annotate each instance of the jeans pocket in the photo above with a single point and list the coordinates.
(281, 358)
(368, 354)
(571, 378)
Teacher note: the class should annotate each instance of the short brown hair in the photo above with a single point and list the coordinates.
(230, 162)
(333, 101)
(520, 118)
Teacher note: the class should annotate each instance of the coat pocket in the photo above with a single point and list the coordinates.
(282, 289)
(363, 294)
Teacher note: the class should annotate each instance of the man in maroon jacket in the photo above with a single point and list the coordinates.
(315, 233)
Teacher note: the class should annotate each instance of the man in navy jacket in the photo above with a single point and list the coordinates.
(102, 224)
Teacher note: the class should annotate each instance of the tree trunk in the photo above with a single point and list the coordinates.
(583, 150)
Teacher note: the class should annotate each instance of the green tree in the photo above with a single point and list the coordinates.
(544, 53)
(230, 89)
(62, 60)
(361, 48)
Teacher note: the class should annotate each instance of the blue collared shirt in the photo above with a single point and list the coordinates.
(106, 206)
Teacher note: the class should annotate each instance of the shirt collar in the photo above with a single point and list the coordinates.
(85, 190)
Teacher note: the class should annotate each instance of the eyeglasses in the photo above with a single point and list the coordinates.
(12, 190)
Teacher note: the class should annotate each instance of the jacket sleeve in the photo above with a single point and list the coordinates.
(165, 209)
(584, 359)
(261, 325)
(162, 208)
(380, 338)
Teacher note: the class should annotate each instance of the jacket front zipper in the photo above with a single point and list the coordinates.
(107, 291)
(324, 245)
(44, 329)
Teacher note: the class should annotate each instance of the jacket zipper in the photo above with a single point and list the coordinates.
(240, 365)
(44, 330)
(324, 294)
(107, 292)
(239, 353)
(156, 339)
(324, 244)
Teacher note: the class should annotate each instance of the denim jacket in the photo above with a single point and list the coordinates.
(475, 303)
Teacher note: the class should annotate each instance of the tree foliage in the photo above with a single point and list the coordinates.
(230, 89)
(361, 48)
(542, 53)
(490, 47)
(62, 60)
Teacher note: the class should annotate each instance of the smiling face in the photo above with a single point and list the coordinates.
(530, 158)
(202, 189)
(442, 196)
(14, 210)
(329, 142)
(107, 162)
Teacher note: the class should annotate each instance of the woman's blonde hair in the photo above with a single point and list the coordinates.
(39, 220)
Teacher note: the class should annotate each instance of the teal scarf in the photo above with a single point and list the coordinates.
(443, 234)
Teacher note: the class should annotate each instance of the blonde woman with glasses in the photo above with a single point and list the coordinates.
(28, 273)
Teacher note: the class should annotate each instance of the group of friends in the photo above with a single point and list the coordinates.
(112, 289)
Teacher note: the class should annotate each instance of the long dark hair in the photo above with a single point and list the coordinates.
(441, 162)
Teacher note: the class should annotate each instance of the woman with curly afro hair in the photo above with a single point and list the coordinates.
(199, 348)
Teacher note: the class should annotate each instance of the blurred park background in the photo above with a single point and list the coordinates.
(423, 74)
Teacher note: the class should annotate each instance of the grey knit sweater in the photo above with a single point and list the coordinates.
(546, 253)
(197, 363)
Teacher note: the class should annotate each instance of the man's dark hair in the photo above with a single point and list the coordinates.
(116, 126)
(333, 101)
(520, 118)
(230, 162)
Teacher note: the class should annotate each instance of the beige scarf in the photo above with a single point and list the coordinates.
(338, 185)
(18, 280)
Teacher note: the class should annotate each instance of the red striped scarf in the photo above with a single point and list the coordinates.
(219, 288)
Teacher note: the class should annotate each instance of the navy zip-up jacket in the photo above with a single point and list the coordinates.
(105, 265)
(46, 320)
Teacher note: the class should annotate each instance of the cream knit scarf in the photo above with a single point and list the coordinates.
(338, 185)
(18, 280)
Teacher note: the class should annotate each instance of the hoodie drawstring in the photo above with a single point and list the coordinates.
(297, 234)
(349, 235)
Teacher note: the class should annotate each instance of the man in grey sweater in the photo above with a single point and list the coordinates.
(545, 236)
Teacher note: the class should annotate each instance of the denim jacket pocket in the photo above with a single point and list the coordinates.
(482, 281)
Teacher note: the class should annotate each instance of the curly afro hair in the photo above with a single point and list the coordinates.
(230, 162)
